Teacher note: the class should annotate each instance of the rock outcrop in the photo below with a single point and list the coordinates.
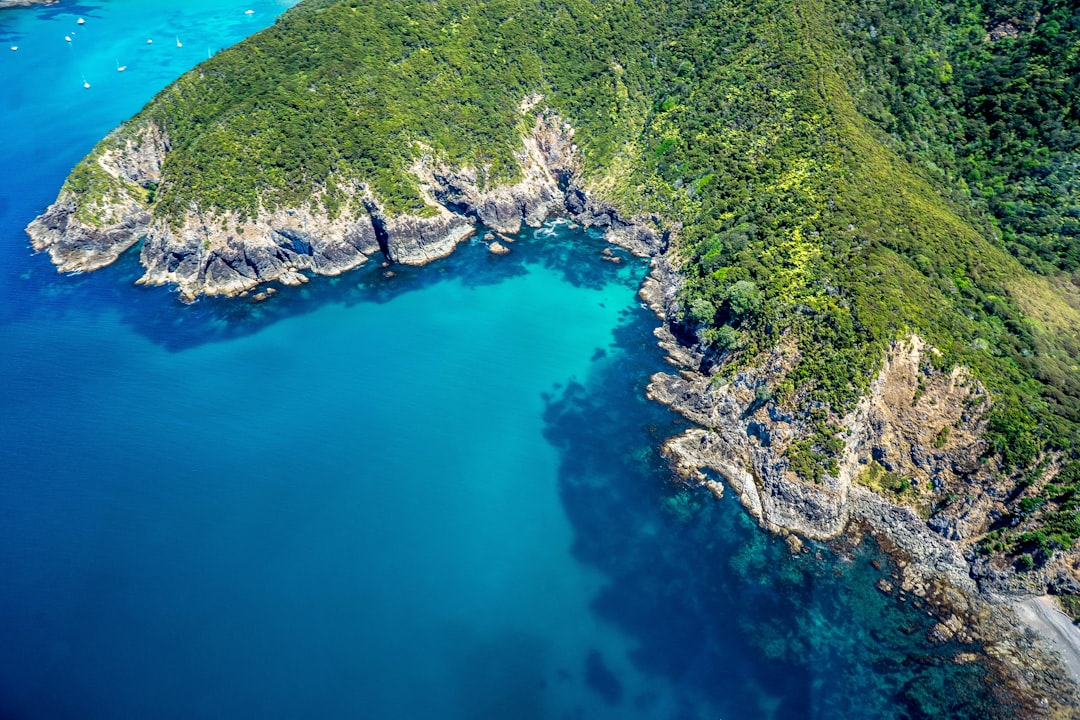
(917, 426)
(87, 230)
(91, 224)
(228, 255)
(75, 245)
(25, 3)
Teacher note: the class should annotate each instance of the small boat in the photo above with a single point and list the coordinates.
(149, 41)
(84, 83)
(80, 21)
(249, 12)
(68, 38)
(119, 67)
(178, 43)
(14, 48)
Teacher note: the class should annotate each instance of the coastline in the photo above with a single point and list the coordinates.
(25, 3)
(735, 437)
(1034, 661)
(211, 253)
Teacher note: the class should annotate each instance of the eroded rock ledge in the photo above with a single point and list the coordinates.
(225, 254)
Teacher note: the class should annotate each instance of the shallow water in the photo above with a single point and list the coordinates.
(435, 495)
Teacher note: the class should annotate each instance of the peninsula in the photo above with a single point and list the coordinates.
(862, 219)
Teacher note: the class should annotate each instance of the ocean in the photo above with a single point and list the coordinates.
(436, 495)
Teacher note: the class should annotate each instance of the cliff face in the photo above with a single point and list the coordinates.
(228, 255)
(913, 443)
(225, 254)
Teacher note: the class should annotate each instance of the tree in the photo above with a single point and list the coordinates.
(744, 299)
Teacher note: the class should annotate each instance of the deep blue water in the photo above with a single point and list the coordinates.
(431, 496)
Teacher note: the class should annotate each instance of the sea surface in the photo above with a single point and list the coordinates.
(435, 495)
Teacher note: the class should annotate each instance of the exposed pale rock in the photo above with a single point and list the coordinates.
(77, 246)
(219, 255)
(413, 240)
(25, 3)
(115, 219)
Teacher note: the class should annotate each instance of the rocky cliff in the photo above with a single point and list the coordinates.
(913, 472)
(91, 224)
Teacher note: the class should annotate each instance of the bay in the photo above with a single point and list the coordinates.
(432, 495)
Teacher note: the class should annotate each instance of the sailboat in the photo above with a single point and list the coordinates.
(84, 83)
(119, 67)
(178, 43)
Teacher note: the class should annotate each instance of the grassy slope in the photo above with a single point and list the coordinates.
(815, 202)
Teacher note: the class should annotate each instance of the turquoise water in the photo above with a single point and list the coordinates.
(431, 496)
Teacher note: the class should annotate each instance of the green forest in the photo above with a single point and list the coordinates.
(844, 172)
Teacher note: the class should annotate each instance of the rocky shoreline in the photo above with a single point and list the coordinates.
(25, 3)
(740, 433)
(215, 254)
(740, 438)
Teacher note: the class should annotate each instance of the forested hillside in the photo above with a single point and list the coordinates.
(843, 173)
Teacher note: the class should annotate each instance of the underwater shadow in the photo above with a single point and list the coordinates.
(72, 9)
(157, 313)
(594, 270)
(718, 608)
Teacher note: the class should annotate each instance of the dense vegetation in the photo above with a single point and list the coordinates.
(845, 172)
(339, 92)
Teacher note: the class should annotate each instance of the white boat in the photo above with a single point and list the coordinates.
(14, 48)
(249, 12)
(178, 43)
(80, 21)
(84, 83)
(119, 67)
(149, 41)
(68, 38)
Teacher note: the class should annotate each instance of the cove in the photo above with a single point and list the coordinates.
(434, 495)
